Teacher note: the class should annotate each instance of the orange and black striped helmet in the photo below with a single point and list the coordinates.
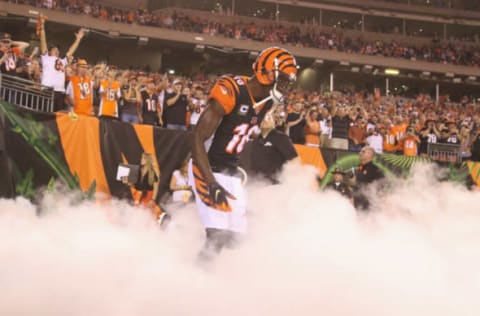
(273, 60)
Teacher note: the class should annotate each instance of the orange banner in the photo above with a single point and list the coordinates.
(312, 156)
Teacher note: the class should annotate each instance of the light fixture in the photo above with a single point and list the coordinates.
(199, 38)
(345, 63)
(318, 62)
(114, 33)
(391, 71)
(199, 48)
(457, 80)
(450, 75)
(32, 21)
(252, 54)
(425, 74)
(355, 69)
(367, 68)
(142, 40)
(171, 71)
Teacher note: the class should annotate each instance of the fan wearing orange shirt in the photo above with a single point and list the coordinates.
(109, 91)
(79, 94)
(410, 142)
(399, 129)
(389, 138)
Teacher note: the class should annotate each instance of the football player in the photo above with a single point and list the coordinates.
(236, 105)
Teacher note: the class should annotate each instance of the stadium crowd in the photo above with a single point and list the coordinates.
(457, 53)
(445, 4)
(341, 120)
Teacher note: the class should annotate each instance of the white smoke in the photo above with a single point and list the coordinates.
(306, 253)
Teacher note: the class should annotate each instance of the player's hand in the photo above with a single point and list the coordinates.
(218, 194)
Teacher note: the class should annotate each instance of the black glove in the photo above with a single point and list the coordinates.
(219, 195)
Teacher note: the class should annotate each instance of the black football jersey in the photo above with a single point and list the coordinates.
(239, 122)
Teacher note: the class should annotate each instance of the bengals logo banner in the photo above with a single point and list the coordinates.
(81, 152)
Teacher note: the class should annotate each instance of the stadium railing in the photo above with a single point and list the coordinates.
(444, 152)
(26, 94)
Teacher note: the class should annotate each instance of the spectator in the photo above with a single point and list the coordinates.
(197, 104)
(110, 93)
(453, 137)
(79, 95)
(149, 110)
(145, 189)
(465, 142)
(428, 135)
(389, 137)
(10, 52)
(176, 109)
(130, 92)
(476, 145)
(296, 123)
(340, 125)
(312, 129)
(356, 135)
(280, 117)
(53, 67)
(375, 140)
(325, 127)
(410, 142)
(181, 189)
(399, 128)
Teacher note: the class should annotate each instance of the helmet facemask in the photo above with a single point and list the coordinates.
(283, 86)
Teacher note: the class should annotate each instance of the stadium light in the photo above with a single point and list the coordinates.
(142, 40)
(450, 75)
(199, 48)
(252, 54)
(171, 71)
(425, 74)
(457, 80)
(471, 79)
(32, 21)
(345, 63)
(199, 38)
(355, 69)
(367, 68)
(391, 71)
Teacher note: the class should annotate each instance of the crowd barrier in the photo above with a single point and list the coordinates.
(26, 94)
(83, 152)
(445, 152)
